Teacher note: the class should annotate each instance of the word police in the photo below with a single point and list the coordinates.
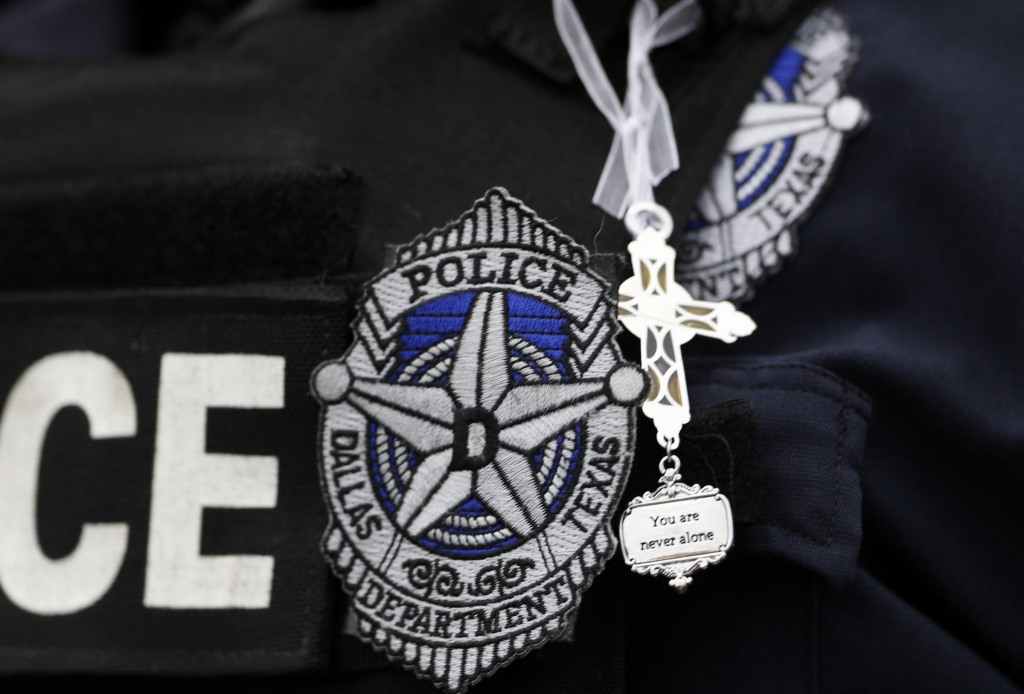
(186, 480)
(508, 268)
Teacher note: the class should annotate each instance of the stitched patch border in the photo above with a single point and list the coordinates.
(475, 440)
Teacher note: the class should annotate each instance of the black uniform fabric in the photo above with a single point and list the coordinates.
(204, 226)
(393, 92)
(903, 575)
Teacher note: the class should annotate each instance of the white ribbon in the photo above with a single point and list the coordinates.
(644, 149)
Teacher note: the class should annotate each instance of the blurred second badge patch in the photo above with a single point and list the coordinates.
(474, 442)
(776, 165)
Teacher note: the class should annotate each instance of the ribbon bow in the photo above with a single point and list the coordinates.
(644, 149)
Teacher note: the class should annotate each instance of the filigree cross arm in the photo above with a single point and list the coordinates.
(659, 311)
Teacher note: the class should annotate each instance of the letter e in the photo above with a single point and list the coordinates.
(187, 479)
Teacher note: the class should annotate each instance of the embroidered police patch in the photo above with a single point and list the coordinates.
(474, 441)
(775, 167)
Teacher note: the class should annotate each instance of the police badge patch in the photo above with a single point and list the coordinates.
(776, 165)
(475, 440)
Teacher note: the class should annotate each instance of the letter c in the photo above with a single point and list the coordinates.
(540, 264)
(31, 580)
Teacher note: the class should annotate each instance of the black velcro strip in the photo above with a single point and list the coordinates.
(197, 227)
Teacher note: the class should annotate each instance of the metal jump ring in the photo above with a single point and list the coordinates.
(672, 459)
(648, 215)
(670, 445)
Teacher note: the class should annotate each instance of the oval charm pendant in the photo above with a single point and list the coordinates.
(676, 530)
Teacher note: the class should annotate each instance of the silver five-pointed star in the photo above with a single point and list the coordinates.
(476, 433)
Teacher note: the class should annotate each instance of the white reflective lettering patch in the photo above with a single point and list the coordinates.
(187, 479)
(160, 506)
(30, 579)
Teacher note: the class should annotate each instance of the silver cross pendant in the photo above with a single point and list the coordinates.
(676, 529)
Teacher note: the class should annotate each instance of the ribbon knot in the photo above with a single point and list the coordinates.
(644, 148)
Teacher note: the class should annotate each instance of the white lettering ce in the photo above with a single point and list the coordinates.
(186, 479)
